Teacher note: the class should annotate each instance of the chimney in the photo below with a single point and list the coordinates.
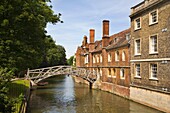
(105, 28)
(84, 40)
(105, 38)
(92, 34)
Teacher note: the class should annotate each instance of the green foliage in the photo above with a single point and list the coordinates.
(22, 32)
(70, 61)
(6, 104)
(18, 87)
(53, 54)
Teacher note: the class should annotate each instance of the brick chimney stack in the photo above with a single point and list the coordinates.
(84, 41)
(105, 38)
(105, 28)
(92, 35)
(91, 46)
(105, 43)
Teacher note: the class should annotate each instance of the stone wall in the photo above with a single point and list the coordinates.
(160, 101)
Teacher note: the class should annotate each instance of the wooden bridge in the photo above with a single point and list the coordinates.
(37, 75)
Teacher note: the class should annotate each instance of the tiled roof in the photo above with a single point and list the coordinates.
(118, 40)
(98, 46)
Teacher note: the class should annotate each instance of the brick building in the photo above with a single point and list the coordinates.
(150, 53)
(109, 57)
(134, 63)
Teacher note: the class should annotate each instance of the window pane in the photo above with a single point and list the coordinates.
(154, 44)
(154, 70)
(137, 69)
(154, 16)
(137, 48)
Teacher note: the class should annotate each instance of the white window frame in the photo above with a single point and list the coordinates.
(86, 59)
(100, 71)
(122, 73)
(137, 24)
(123, 56)
(153, 70)
(109, 57)
(117, 56)
(114, 72)
(109, 72)
(101, 58)
(94, 59)
(151, 16)
(137, 70)
(136, 51)
(153, 48)
(97, 58)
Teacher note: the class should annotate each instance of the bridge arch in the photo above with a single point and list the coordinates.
(37, 75)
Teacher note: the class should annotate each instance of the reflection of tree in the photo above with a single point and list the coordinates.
(45, 96)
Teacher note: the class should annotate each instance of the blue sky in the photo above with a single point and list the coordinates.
(81, 15)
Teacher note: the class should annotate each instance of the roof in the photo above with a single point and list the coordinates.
(98, 46)
(118, 40)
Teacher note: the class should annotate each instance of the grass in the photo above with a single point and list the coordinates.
(17, 88)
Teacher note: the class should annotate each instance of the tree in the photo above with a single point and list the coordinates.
(22, 32)
(52, 54)
(70, 61)
(56, 56)
(6, 104)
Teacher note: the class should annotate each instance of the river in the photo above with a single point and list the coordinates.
(63, 95)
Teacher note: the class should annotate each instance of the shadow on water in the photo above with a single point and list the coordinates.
(62, 95)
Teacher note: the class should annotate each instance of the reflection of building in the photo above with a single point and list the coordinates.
(138, 57)
(150, 53)
(109, 57)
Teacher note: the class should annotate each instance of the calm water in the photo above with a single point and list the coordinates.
(62, 95)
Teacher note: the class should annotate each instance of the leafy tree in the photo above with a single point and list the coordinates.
(53, 54)
(6, 104)
(70, 60)
(22, 32)
(56, 55)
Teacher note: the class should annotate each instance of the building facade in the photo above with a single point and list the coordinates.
(109, 57)
(150, 53)
(134, 63)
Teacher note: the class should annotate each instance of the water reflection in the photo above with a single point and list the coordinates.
(62, 95)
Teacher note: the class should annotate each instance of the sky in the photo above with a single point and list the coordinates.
(80, 16)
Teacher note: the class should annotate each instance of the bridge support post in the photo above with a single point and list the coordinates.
(90, 85)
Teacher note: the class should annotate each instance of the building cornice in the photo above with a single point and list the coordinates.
(150, 60)
(145, 7)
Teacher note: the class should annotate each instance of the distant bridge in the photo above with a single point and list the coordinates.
(37, 75)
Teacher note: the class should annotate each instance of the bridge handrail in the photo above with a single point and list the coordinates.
(44, 73)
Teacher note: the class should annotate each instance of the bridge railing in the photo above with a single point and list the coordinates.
(39, 74)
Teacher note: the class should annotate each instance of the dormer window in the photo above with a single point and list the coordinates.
(95, 46)
(115, 40)
(100, 45)
(128, 36)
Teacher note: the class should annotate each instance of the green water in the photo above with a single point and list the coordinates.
(62, 95)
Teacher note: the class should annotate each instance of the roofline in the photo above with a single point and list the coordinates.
(107, 49)
(121, 32)
(138, 4)
(146, 8)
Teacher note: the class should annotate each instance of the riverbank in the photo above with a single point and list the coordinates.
(20, 89)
